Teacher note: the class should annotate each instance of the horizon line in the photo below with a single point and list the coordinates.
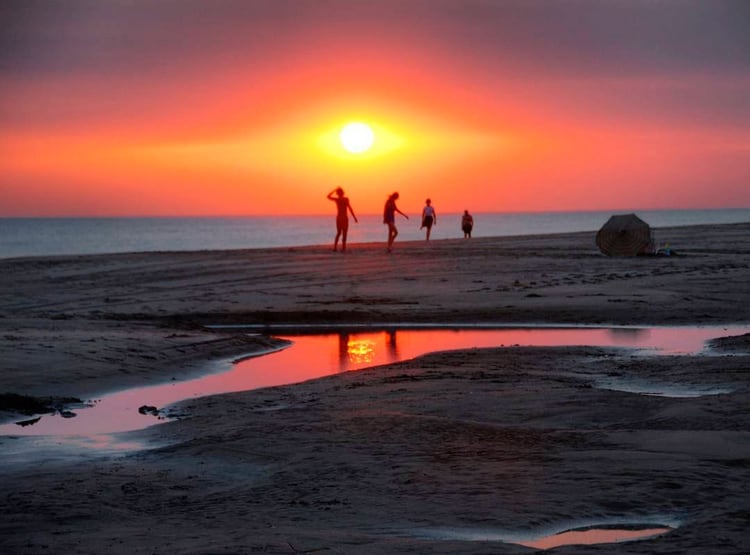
(327, 214)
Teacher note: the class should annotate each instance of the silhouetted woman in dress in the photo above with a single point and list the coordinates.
(429, 217)
(389, 218)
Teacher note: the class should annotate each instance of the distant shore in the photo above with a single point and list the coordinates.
(358, 463)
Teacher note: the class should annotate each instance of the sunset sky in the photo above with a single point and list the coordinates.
(229, 107)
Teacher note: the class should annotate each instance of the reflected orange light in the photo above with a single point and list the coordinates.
(360, 351)
(594, 536)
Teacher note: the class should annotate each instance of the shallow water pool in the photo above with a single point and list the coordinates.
(315, 355)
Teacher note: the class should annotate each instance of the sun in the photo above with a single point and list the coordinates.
(357, 137)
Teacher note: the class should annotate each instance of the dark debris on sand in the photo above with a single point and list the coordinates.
(27, 405)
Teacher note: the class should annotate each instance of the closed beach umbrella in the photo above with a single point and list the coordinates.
(624, 235)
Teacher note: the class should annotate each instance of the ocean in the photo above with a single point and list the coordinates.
(20, 237)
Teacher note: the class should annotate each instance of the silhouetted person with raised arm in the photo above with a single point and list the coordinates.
(467, 224)
(429, 217)
(389, 218)
(343, 207)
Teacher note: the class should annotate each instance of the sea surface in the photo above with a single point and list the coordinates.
(64, 236)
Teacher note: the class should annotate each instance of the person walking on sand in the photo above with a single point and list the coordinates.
(389, 218)
(343, 207)
(429, 217)
(467, 224)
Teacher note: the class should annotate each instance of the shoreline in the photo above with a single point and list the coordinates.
(676, 230)
(355, 462)
(83, 236)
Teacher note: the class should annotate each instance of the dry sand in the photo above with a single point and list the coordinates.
(384, 460)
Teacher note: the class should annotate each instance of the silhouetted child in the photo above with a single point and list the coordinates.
(467, 224)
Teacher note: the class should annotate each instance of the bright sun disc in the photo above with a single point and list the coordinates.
(357, 137)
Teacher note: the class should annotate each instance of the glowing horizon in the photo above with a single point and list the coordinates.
(214, 126)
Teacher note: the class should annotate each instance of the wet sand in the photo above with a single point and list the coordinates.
(386, 459)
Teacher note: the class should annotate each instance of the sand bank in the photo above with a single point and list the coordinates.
(375, 461)
(119, 319)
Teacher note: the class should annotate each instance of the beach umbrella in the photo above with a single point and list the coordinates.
(624, 235)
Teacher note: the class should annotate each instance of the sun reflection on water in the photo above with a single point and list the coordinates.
(360, 351)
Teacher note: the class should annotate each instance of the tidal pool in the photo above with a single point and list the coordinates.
(316, 355)
(585, 535)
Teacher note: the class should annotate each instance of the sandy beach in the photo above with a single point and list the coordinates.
(446, 453)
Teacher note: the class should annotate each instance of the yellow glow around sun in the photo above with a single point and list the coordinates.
(356, 140)
(357, 137)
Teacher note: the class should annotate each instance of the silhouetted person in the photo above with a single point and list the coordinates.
(389, 218)
(342, 217)
(467, 224)
(429, 217)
